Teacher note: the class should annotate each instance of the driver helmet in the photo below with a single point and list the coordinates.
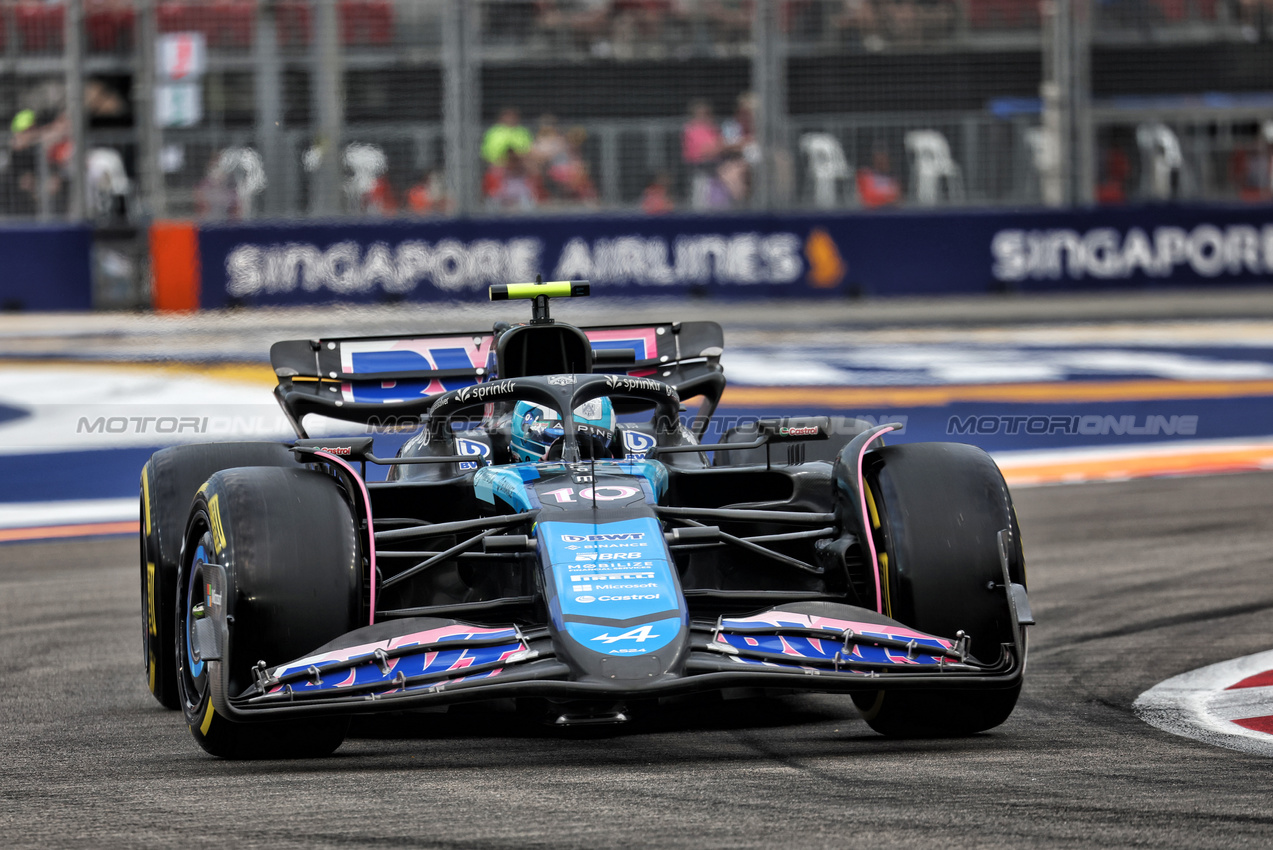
(538, 431)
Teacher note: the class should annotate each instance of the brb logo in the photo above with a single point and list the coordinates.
(636, 445)
(473, 447)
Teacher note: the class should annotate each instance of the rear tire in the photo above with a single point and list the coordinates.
(939, 509)
(289, 545)
(168, 483)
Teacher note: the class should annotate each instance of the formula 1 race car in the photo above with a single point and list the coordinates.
(556, 533)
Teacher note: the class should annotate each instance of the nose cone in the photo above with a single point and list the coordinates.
(615, 601)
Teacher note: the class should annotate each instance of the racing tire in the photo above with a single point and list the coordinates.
(168, 483)
(937, 510)
(289, 546)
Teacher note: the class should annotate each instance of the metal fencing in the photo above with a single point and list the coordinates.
(236, 109)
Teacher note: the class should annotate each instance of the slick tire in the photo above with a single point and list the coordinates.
(168, 483)
(937, 512)
(289, 546)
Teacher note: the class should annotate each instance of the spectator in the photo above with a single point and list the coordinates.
(215, 196)
(858, 24)
(638, 21)
(549, 148)
(511, 186)
(657, 197)
(876, 185)
(505, 136)
(568, 176)
(429, 195)
(1116, 168)
(738, 133)
(700, 150)
(1251, 167)
(730, 19)
(578, 23)
(380, 199)
(733, 182)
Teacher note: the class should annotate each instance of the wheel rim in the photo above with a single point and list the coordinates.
(194, 672)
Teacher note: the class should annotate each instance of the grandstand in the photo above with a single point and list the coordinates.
(938, 98)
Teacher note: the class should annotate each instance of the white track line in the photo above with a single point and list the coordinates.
(70, 512)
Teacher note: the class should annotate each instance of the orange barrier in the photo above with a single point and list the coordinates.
(1055, 393)
(56, 532)
(1151, 463)
(174, 264)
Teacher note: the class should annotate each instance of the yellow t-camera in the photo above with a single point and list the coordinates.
(551, 288)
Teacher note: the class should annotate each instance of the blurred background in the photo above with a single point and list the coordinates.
(242, 110)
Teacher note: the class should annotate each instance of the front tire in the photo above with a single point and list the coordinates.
(937, 510)
(289, 546)
(168, 483)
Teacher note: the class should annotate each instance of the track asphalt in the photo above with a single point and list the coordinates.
(1141, 587)
(1132, 583)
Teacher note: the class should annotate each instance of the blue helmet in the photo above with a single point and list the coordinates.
(537, 430)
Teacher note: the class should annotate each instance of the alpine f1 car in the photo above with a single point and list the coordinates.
(556, 533)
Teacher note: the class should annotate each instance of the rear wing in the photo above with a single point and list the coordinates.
(390, 381)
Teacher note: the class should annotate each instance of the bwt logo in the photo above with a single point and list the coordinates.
(1087, 426)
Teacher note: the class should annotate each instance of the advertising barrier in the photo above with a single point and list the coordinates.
(46, 268)
(877, 254)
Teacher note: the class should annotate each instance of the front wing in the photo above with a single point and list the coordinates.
(433, 662)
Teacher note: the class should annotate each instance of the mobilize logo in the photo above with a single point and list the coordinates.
(590, 538)
(640, 635)
(614, 565)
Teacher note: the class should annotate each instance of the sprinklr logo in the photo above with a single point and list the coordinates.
(624, 382)
(478, 392)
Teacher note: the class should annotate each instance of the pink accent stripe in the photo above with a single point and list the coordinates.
(776, 619)
(371, 529)
(646, 336)
(866, 515)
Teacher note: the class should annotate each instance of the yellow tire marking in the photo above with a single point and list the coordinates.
(207, 719)
(214, 515)
(870, 506)
(888, 601)
(152, 620)
(151, 671)
(145, 495)
(883, 556)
